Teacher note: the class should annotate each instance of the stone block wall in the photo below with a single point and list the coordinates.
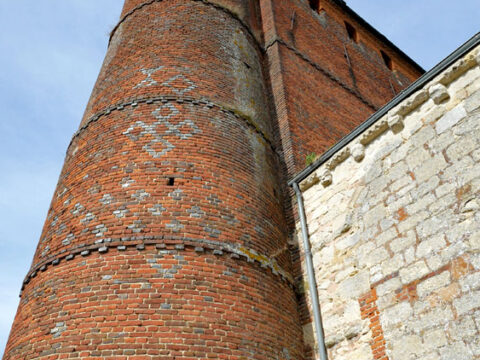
(394, 224)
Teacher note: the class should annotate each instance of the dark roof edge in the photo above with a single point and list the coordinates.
(378, 34)
(418, 84)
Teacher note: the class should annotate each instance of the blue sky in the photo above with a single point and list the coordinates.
(50, 55)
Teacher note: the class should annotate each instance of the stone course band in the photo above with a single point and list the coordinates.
(235, 251)
(205, 2)
(163, 99)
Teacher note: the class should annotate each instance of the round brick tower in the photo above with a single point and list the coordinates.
(165, 237)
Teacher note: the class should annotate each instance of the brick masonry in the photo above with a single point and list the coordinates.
(393, 220)
(168, 233)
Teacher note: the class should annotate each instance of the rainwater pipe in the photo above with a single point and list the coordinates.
(312, 283)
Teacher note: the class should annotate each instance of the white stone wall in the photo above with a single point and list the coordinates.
(394, 222)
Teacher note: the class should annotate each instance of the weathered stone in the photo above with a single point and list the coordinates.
(309, 182)
(358, 152)
(467, 302)
(473, 102)
(395, 315)
(389, 286)
(470, 282)
(463, 329)
(326, 177)
(395, 123)
(354, 286)
(430, 245)
(412, 230)
(457, 351)
(414, 272)
(430, 168)
(438, 93)
(407, 347)
(431, 284)
(450, 118)
(401, 243)
(435, 339)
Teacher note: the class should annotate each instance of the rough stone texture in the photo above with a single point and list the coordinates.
(399, 231)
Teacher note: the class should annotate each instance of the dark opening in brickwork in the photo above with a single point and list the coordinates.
(387, 60)
(314, 4)
(171, 181)
(351, 31)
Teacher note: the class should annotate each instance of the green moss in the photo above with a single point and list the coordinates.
(310, 158)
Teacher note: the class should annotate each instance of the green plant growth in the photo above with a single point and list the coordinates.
(310, 158)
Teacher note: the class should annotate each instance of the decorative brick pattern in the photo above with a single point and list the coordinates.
(167, 235)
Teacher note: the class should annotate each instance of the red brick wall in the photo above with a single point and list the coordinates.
(132, 265)
(167, 233)
(323, 84)
(331, 84)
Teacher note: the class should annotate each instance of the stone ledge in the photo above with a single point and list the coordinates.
(198, 246)
(436, 90)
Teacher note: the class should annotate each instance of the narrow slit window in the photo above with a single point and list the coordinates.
(387, 60)
(314, 4)
(171, 181)
(351, 31)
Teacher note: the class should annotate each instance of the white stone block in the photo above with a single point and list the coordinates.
(430, 245)
(407, 347)
(470, 282)
(355, 286)
(438, 93)
(456, 351)
(401, 243)
(434, 283)
(463, 329)
(467, 302)
(393, 264)
(395, 315)
(450, 118)
(430, 168)
(414, 272)
(389, 286)
(435, 339)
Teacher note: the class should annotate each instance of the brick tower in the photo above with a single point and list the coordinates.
(167, 236)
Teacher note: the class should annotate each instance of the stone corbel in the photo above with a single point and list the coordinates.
(358, 152)
(438, 93)
(395, 123)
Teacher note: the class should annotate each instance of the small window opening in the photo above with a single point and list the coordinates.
(171, 181)
(314, 4)
(387, 60)
(351, 31)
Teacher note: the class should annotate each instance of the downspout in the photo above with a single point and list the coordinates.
(317, 316)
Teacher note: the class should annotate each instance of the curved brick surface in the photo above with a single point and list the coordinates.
(115, 182)
(184, 160)
(211, 56)
(168, 304)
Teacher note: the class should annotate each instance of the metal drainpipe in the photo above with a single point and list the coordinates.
(317, 316)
